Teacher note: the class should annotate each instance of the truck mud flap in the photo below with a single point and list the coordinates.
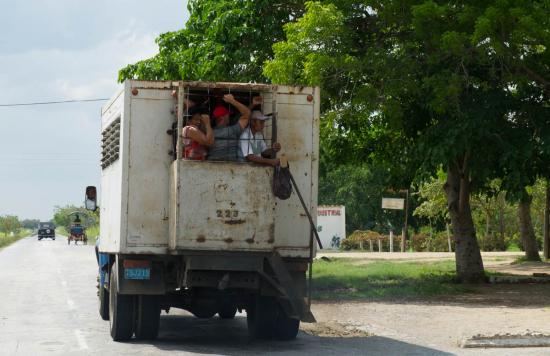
(294, 305)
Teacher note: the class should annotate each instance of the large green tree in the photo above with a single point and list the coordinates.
(223, 40)
(428, 83)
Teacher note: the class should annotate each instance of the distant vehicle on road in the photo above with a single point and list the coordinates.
(46, 230)
(77, 232)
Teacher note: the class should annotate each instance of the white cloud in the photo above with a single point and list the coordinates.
(63, 50)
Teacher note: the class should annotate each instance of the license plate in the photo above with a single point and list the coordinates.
(137, 273)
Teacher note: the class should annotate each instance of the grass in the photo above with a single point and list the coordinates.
(345, 279)
(519, 260)
(8, 240)
(513, 248)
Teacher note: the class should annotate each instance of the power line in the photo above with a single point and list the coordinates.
(54, 102)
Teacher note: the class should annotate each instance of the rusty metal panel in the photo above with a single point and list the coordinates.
(149, 163)
(223, 206)
(297, 125)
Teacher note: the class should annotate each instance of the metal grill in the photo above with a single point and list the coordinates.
(110, 144)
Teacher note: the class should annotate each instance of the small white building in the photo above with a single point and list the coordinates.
(331, 225)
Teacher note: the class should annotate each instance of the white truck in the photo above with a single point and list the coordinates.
(206, 236)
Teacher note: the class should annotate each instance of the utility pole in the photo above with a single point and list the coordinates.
(546, 244)
(405, 227)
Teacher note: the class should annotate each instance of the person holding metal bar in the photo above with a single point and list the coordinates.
(226, 138)
(252, 142)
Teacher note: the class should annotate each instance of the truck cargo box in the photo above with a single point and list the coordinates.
(152, 203)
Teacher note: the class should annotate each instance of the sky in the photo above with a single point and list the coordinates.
(54, 50)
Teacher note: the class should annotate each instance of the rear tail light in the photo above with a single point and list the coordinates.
(136, 264)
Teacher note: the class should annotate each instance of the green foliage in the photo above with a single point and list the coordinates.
(428, 240)
(9, 224)
(434, 202)
(64, 216)
(8, 240)
(345, 279)
(513, 248)
(359, 239)
(223, 40)
(360, 188)
(420, 83)
(30, 224)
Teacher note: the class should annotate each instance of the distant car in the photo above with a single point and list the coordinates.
(46, 230)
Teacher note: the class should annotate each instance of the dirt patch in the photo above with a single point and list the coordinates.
(333, 329)
(441, 323)
(523, 269)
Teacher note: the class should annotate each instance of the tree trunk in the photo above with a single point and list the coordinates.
(546, 244)
(449, 237)
(526, 229)
(469, 265)
(501, 243)
(487, 225)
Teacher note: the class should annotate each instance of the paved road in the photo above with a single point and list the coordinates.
(48, 306)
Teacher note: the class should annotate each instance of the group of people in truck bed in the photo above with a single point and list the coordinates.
(241, 141)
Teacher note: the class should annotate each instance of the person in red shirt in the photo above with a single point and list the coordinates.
(197, 135)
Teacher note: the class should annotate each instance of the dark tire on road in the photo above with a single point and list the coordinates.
(227, 311)
(285, 328)
(260, 317)
(147, 317)
(203, 313)
(121, 310)
(103, 303)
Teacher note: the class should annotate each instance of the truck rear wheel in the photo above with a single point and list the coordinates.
(203, 313)
(260, 317)
(227, 311)
(121, 310)
(103, 302)
(147, 317)
(285, 328)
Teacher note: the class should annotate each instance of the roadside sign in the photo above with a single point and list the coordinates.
(393, 203)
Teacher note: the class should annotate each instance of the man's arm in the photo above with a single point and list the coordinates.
(245, 112)
(198, 136)
(261, 160)
(270, 152)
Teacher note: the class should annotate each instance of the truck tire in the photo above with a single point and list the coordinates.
(227, 311)
(285, 328)
(147, 317)
(103, 302)
(121, 310)
(203, 313)
(260, 317)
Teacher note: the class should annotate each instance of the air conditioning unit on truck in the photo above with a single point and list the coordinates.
(206, 236)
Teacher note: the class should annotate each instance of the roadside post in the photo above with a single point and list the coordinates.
(546, 242)
(398, 204)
